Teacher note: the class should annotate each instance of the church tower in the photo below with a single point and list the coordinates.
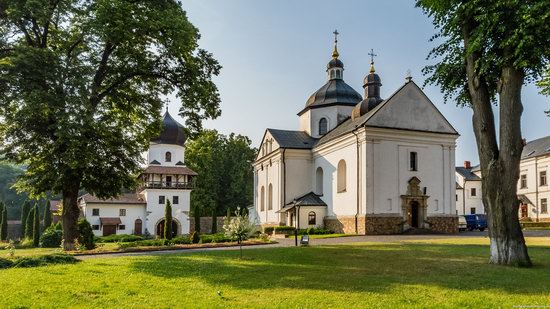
(332, 103)
(371, 84)
(166, 178)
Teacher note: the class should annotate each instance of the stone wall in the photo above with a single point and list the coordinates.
(448, 225)
(383, 225)
(14, 229)
(206, 225)
(344, 224)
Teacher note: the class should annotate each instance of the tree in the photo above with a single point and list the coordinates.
(3, 222)
(25, 209)
(29, 223)
(491, 48)
(239, 228)
(36, 227)
(81, 88)
(47, 214)
(86, 234)
(168, 220)
(12, 200)
(225, 181)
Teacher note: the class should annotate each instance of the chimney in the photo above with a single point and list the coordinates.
(467, 164)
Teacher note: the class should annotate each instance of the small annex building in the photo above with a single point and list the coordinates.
(165, 177)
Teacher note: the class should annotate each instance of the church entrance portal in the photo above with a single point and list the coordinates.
(160, 228)
(413, 214)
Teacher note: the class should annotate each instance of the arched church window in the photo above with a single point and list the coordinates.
(262, 199)
(168, 156)
(312, 218)
(331, 74)
(341, 176)
(323, 126)
(319, 181)
(270, 197)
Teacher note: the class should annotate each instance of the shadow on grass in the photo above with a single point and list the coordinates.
(359, 268)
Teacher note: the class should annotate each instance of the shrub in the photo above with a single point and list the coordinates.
(25, 244)
(205, 239)
(5, 263)
(269, 229)
(168, 220)
(44, 260)
(86, 237)
(145, 243)
(36, 227)
(51, 238)
(263, 237)
(58, 226)
(214, 238)
(284, 229)
(181, 240)
(195, 238)
(119, 238)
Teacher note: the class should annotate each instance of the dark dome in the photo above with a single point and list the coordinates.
(172, 132)
(372, 78)
(335, 63)
(335, 91)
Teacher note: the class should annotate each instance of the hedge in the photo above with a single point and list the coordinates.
(43, 260)
(119, 238)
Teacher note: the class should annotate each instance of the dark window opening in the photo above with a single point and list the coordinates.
(312, 218)
(95, 212)
(161, 199)
(413, 159)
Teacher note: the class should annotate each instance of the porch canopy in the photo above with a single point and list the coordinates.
(110, 221)
(310, 199)
(524, 199)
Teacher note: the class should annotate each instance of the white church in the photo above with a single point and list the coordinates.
(362, 165)
(165, 177)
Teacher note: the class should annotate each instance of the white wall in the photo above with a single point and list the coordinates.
(133, 212)
(466, 201)
(155, 210)
(535, 191)
(158, 151)
(309, 121)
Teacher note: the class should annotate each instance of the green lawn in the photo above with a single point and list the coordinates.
(436, 274)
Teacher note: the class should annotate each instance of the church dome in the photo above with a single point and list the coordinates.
(335, 63)
(172, 132)
(335, 91)
(372, 84)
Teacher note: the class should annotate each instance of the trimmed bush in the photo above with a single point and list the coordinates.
(269, 229)
(168, 220)
(119, 238)
(195, 238)
(5, 263)
(86, 233)
(29, 223)
(284, 229)
(47, 215)
(4, 223)
(51, 238)
(36, 227)
(24, 214)
(181, 240)
(145, 243)
(214, 238)
(44, 260)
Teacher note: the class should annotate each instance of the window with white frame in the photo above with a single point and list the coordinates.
(413, 161)
(523, 181)
(542, 178)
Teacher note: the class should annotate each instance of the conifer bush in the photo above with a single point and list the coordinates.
(36, 227)
(51, 238)
(86, 233)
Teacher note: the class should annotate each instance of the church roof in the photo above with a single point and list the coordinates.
(467, 173)
(333, 92)
(408, 108)
(292, 139)
(536, 148)
(172, 132)
(170, 170)
(310, 199)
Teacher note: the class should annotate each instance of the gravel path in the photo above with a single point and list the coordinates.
(289, 242)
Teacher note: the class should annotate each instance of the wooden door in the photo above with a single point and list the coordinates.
(109, 230)
(138, 227)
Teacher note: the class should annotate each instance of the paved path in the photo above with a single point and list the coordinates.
(289, 242)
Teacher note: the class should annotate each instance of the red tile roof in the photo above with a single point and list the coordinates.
(167, 170)
(126, 198)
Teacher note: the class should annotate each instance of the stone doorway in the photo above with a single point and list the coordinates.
(414, 206)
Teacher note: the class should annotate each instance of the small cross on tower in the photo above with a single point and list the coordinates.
(372, 55)
(336, 33)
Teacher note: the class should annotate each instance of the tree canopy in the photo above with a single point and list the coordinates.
(82, 83)
(224, 165)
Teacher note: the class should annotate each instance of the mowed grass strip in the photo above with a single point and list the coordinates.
(436, 274)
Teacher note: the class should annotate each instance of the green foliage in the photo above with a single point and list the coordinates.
(5, 263)
(36, 227)
(47, 214)
(4, 222)
(12, 199)
(29, 223)
(224, 164)
(118, 238)
(146, 243)
(181, 240)
(81, 87)
(26, 208)
(58, 226)
(214, 238)
(86, 234)
(239, 227)
(195, 238)
(314, 231)
(168, 220)
(503, 33)
(51, 238)
(269, 230)
(284, 229)
(44, 260)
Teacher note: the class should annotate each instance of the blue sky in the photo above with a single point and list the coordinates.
(274, 55)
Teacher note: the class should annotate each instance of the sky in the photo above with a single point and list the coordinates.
(274, 56)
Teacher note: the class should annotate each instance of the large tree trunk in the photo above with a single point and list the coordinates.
(70, 215)
(499, 167)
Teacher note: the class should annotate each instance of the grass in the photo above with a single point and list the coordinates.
(440, 273)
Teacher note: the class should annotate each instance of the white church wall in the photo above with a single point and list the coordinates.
(320, 213)
(339, 203)
(180, 211)
(158, 152)
(309, 121)
(390, 170)
(268, 172)
(133, 212)
(298, 170)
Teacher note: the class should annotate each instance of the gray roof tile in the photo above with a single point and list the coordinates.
(292, 139)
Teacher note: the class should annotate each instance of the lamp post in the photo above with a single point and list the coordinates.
(296, 225)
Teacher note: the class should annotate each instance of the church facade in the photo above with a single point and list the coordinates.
(164, 178)
(362, 165)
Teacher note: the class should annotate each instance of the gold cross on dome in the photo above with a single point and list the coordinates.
(372, 55)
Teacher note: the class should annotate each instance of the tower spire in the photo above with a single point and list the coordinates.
(335, 51)
(372, 55)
